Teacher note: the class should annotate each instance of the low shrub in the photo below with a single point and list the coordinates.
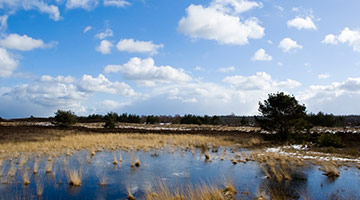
(330, 140)
(65, 118)
(110, 120)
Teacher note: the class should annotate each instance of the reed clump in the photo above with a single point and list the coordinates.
(330, 170)
(35, 167)
(278, 167)
(26, 178)
(202, 191)
(75, 178)
(49, 166)
(130, 195)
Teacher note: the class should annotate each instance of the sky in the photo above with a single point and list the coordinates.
(162, 57)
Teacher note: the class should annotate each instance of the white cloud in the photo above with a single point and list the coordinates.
(323, 76)
(7, 63)
(43, 7)
(3, 22)
(23, 43)
(234, 6)
(116, 3)
(337, 97)
(85, 4)
(261, 55)
(351, 37)
(218, 22)
(261, 81)
(287, 44)
(52, 93)
(145, 71)
(86, 29)
(108, 33)
(302, 23)
(102, 84)
(49, 91)
(198, 68)
(227, 69)
(330, 39)
(136, 46)
(104, 47)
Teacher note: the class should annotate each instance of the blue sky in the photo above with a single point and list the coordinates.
(156, 57)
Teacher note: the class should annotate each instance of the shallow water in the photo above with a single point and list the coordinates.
(175, 168)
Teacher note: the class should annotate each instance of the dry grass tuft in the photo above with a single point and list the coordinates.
(26, 178)
(201, 192)
(49, 166)
(115, 162)
(278, 167)
(134, 160)
(130, 195)
(12, 170)
(330, 170)
(75, 178)
(36, 167)
(233, 160)
(103, 180)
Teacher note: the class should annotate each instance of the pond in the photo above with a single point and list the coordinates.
(175, 168)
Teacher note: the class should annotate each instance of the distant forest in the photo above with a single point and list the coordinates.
(319, 119)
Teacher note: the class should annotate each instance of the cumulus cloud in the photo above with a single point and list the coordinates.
(227, 69)
(221, 23)
(86, 29)
(116, 3)
(13, 5)
(234, 6)
(323, 76)
(261, 55)
(239, 96)
(7, 63)
(84, 4)
(145, 71)
(50, 91)
(107, 33)
(23, 43)
(261, 81)
(104, 47)
(333, 97)
(66, 92)
(102, 84)
(351, 37)
(302, 23)
(136, 46)
(287, 44)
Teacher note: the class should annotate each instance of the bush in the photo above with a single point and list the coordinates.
(110, 120)
(65, 118)
(329, 140)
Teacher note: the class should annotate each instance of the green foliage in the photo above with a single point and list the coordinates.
(330, 140)
(193, 119)
(244, 121)
(129, 118)
(283, 114)
(65, 118)
(110, 119)
(327, 120)
(151, 119)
